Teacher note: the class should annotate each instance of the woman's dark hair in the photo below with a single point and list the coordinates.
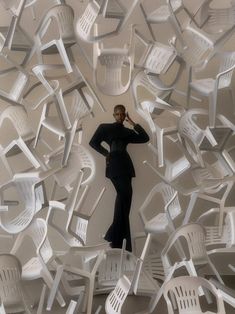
(119, 106)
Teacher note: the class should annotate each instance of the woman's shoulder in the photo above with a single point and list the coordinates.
(105, 125)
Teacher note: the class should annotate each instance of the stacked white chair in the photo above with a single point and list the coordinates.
(11, 290)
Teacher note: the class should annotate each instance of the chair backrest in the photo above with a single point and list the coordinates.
(221, 18)
(64, 16)
(156, 57)
(37, 232)
(19, 120)
(87, 20)
(80, 159)
(81, 106)
(198, 48)
(186, 291)
(116, 299)
(107, 9)
(227, 62)
(32, 196)
(195, 235)
(111, 60)
(10, 283)
(143, 81)
(192, 134)
(14, 6)
(166, 192)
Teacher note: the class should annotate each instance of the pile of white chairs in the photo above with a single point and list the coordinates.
(47, 172)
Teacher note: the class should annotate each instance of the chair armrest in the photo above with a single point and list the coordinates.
(168, 215)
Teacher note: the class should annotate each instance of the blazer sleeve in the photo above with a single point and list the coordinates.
(138, 135)
(97, 139)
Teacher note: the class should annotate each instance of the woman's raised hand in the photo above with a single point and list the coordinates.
(129, 120)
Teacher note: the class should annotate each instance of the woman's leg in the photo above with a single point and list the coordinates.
(120, 228)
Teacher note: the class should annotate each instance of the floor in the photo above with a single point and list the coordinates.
(133, 304)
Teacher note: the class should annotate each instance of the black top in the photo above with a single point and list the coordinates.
(117, 136)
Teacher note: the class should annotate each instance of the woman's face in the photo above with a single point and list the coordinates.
(119, 115)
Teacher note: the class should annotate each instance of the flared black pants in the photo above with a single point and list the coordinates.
(120, 228)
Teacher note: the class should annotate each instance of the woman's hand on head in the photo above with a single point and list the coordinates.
(129, 120)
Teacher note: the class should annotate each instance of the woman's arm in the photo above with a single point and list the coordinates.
(138, 135)
(97, 139)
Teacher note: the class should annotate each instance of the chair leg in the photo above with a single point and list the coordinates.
(148, 24)
(189, 210)
(90, 296)
(160, 148)
(232, 98)
(188, 96)
(42, 299)
(49, 281)
(37, 135)
(63, 55)
(69, 137)
(212, 109)
(215, 272)
(54, 287)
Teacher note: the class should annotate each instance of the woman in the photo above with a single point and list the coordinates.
(119, 169)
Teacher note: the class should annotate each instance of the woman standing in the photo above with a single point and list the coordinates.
(119, 169)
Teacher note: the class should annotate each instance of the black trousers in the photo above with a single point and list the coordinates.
(120, 228)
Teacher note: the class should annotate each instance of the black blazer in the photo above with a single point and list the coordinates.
(117, 136)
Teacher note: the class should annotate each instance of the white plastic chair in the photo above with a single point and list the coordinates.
(69, 118)
(220, 19)
(159, 114)
(218, 242)
(143, 272)
(89, 258)
(186, 291)
(38, 265)
(206, 184)
(116, 299)
(73, 210)
(19, 77)
(15, 8)
(18, 145)
(172, 169)
(63, 15)
(80, 158)
(113, 9)
(161, 14)
(31, 191)
(161, 222)
(11, 290)
(115, 263)
(19, 120)
(108, 66)
(194, 234)
(194, 138)
(61, 124)
(156, 57)
(209, 87)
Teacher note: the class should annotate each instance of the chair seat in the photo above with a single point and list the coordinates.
(204, 86)
(146, 284)
(20, 41)
(162, 13)
(157, 224)
(31, 269)
(159, 15)
(50, 50)
(110, 266)
(53, 123)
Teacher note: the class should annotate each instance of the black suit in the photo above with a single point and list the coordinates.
(120, 169)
